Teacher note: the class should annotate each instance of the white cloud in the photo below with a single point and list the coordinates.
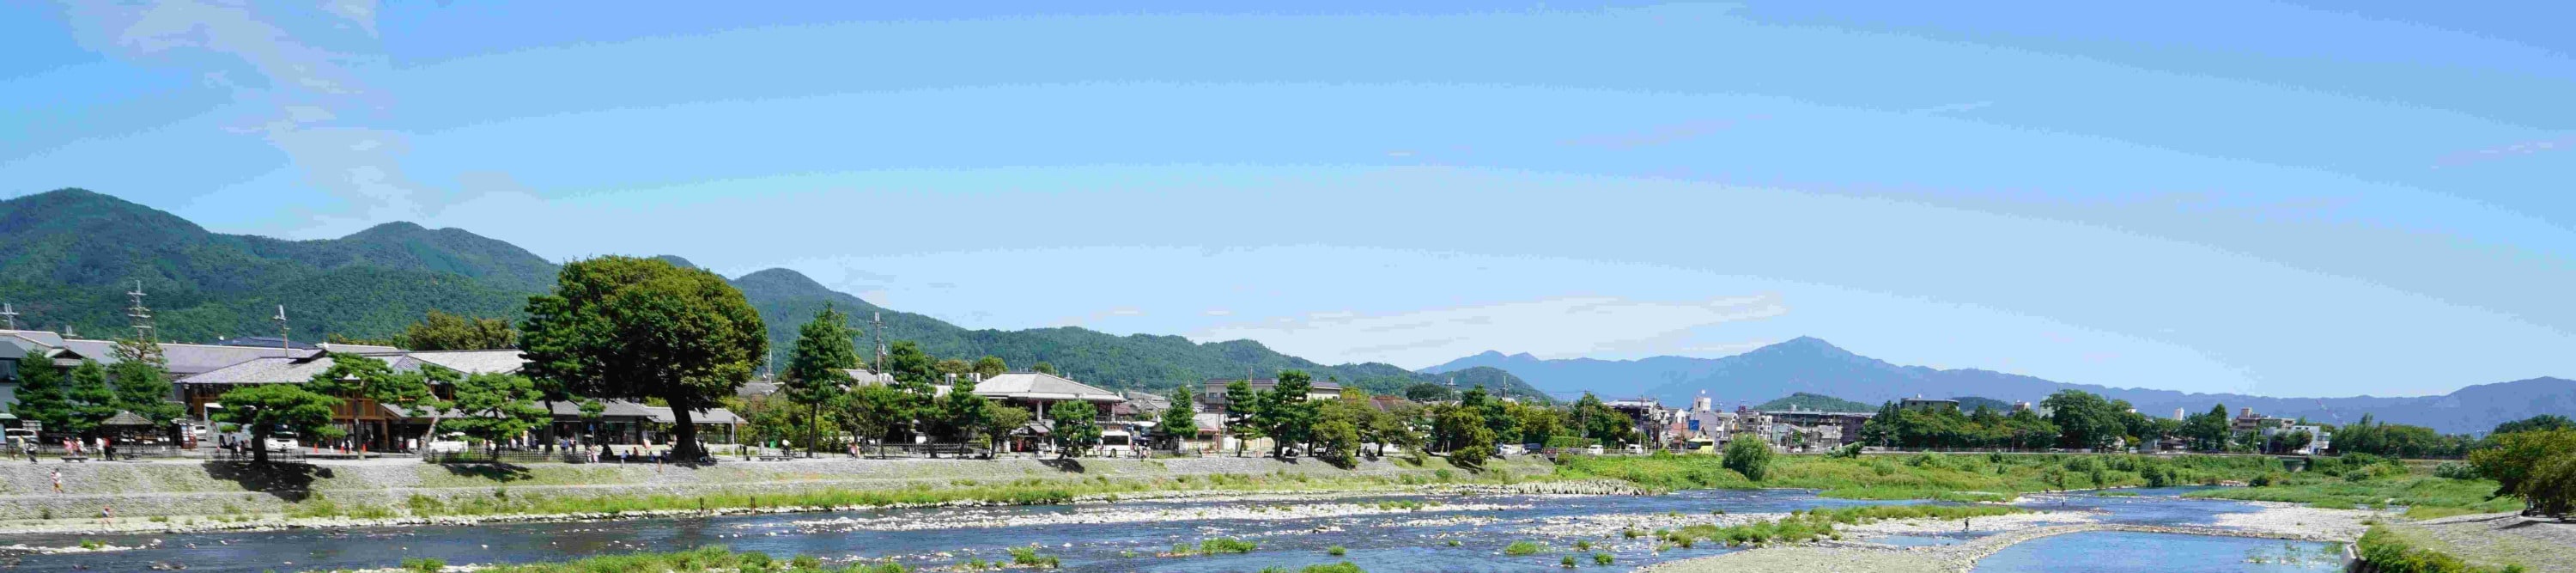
(1553, 327)
(302, 79)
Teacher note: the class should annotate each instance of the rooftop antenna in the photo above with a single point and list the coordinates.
(283, 347)
(10, 313)
(142, 315)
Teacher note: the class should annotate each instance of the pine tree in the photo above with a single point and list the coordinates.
(142, 381)
(817, 371)
(93, 400)
(45, 396)
(1180, 421)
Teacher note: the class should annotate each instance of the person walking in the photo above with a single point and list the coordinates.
(58, 480)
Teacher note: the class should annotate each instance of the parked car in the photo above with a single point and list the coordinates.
(279, 443)
(445, 447)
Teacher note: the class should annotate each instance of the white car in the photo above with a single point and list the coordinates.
(277, 444)
(445, 447)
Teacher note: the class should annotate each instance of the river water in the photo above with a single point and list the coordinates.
(1376, 532)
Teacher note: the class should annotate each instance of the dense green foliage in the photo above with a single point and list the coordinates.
(142, 379)
(1918, 476)
(622, 327)
(266, 409)
(1813, 403)
(2398, 440)
(1075, 429)
(443, 331)
(818, 368)
(1947, 428)
(1749, 457)
(2389, 552)
(496, 407)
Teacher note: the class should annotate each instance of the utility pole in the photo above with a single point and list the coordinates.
(283, 347)
(877, 319)
(11, 313)
(141, 315)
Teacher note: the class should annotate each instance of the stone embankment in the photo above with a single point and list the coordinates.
(191, 496)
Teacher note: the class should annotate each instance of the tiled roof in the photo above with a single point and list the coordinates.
(708, 416)
(466, 361)
(864, 376)
(270, 370)
(1040, 386)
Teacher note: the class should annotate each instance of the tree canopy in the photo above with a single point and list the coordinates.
(442, 331)
(625, 327)
(818, 369)
(263, 410)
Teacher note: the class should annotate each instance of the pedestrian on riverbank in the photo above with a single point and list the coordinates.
(58, 480)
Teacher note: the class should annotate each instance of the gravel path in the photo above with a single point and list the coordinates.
(2498, 539)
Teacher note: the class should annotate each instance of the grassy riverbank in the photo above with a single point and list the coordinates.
(194, 496)
(2358, 482)
(1960, 477)
(2391, 552)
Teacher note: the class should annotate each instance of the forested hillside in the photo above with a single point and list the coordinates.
(68, 257)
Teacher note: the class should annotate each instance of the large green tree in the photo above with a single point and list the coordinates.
(494, 407)
(873, 411)
(2084, 420)
(1179, 422)
(625, 327)
(93, 397)
(142, 378)
(2516, 455)
(961, 413)
(1075, 429)
(44, 395)
(1242, 406)
(1284, 414)
(1001, 423)
(442, 331)
(266, 409)
(818, 369)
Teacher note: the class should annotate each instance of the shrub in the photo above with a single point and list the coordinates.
(1336, 551)
(1520, 548)
(1342, 567)
(2551, 489)
(1224, 545)
(1749, 457)
(1602, 559)
(1565, 561)
(425, 565)
(2455, 470)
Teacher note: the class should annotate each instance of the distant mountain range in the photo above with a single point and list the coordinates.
(68, 256)
(1816, 367)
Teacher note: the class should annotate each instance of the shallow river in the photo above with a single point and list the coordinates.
(1125, 536)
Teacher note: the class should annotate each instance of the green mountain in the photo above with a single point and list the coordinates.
(67, 257)
(787, 298)
(1815, 402)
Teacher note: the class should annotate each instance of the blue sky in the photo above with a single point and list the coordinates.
(2279, 199)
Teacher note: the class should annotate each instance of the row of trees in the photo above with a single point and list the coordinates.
(78, 400)
(2083, 420)
(817, 394)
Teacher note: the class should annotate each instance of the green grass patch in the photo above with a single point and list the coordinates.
(2431, 496)
(2389, 552)
(1520, 548)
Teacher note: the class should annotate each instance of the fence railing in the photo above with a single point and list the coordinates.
(503, 456)
(228, 456)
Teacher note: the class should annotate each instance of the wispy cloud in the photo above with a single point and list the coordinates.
(2504, 151)
(1954, 108)
(1657, 135)
(298, 72)
(1554, 327)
